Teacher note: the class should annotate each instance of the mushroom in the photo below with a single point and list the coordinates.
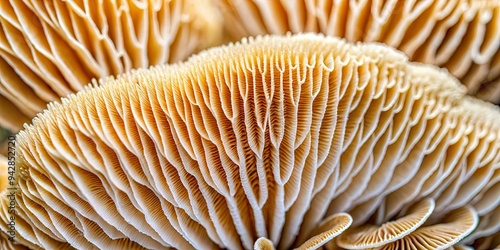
(454, 228)
(253, 144)
(50, 49)
(370, 236)
(462, 36)
(489, 242)
(263, 244)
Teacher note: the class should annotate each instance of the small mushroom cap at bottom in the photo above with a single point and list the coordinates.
(6, 244)
(3, 173)
(373, 236)
(263, 243)
(330, 228)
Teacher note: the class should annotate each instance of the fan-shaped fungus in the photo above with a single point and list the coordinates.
(253, 141)
(462, 36)
(50, 49)
(328, 229)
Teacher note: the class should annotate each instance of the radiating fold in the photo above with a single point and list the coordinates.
(49, 49)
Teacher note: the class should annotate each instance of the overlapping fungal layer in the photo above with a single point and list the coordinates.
(460, 35)
(371, 236)
(50, 49)
(273, 142)
(488, 242)
(457, 225)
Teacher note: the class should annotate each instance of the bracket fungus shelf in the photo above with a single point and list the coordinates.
(49, 49)
(274, 142)
(461, 35)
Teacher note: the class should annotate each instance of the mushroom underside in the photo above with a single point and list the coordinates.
(271, 142)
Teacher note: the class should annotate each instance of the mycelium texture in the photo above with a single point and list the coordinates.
(52, 48)
(273, 142)
(461, 35)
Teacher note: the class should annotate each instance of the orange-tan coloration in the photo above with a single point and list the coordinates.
(487, 243)
(370, 236)
(455, 227)
(263, 244)
(3, 173)
(460, 35)
(264, 138)
(50, 49)
(328, 229)
(460, 247)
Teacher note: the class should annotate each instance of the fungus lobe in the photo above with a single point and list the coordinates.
(268, 142)
(49, 49)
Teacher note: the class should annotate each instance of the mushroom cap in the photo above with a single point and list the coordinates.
(263, 244)
(489, 224)
(250, 140)
(460, 247)
(370, 236)
(50, 49)
(455, 227)
(462, 36)
(486, 243)
(20, 227)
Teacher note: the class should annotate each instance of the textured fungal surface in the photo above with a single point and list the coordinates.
(273, 142)
(460, 35)
(488, 242)
(3, 173)
(454, 228)
(50, 49)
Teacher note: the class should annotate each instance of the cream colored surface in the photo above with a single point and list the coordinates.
(3, 173)
(263, 138)
(371, 236)
(49, 49)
